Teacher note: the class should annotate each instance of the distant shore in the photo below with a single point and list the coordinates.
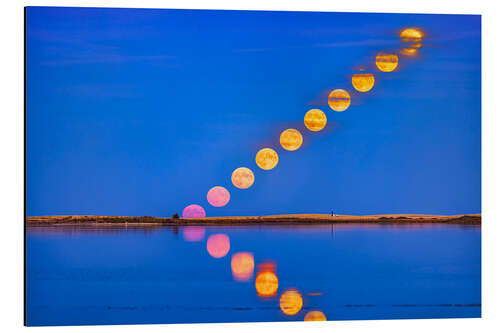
(300, 219)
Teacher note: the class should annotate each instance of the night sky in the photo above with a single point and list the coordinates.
(140, 112)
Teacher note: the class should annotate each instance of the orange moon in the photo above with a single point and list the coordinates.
(339, 100)
(363, 81)
(242, 178)
(291, 302)
(242, 265)
(315, 120)
(408, 51)
(266, 158)
(315, 316)
(291, 139)
(386, 62)
(266, 284)
(411, 35)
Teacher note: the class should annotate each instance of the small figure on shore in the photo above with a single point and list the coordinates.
(333, 214)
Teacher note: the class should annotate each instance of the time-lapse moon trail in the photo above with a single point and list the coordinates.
(242, 263)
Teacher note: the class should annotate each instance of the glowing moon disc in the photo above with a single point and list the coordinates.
(193, 233)
(363, 81)
(386, 62)
(218, 196)
(315, 316)
(193, 211)
(266, 284)
(291, 302)
(411, 35)
(339, 100)
(242, 265)
(218, 245)
(266, 158)
(315, 120)
(291, 139)
(242, 178)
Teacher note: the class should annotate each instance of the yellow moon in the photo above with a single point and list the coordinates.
(315, 120)
(266, 158)
(291, 302)
(363, 81)
(386, 62)
(339, 100)
(315, 316)
(409, 51)
(242, 178)
(291, 139)
(411, 35)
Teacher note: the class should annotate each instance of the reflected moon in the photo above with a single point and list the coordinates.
(315, 120)
(339, 100)
(386, 62)
(242, 265)
(315, 316)
(193, 211)
(218, 196)
(363, 81)
(411, 35)
(266, 284)
(266, 158)
(291, 302)
(291, 139)
(218, 245)
(408, 51)
(242, 178)
(193, 233)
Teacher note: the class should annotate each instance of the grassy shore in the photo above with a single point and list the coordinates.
(302, 219)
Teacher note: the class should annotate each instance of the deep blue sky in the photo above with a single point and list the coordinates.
(141, 112)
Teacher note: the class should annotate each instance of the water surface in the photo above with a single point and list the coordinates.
(132, 275)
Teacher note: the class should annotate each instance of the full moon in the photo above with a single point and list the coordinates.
(218, 245)
(339, 100)
(291, 139)
(363, 81)
(291, 302)
(315, 120)
(218, 196)
(266, 284)
(386, 62)
(315, 316)
(242, 265)
(193, 233)
(266, 158)
(193, 211)
(411, 35)
(242, 178)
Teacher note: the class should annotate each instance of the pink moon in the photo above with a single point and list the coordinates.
(218, 245)
(193, 234)
(193, 211)
(218, 196)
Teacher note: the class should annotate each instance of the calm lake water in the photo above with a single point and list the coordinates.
(119, 275)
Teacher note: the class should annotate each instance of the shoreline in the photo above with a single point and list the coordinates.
(297, 219)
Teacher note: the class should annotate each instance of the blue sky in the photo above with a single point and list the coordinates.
(141, 112)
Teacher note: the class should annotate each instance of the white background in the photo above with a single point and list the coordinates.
(12, 155)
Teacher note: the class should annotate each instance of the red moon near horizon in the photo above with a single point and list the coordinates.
(193, 211)
(218, 196)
